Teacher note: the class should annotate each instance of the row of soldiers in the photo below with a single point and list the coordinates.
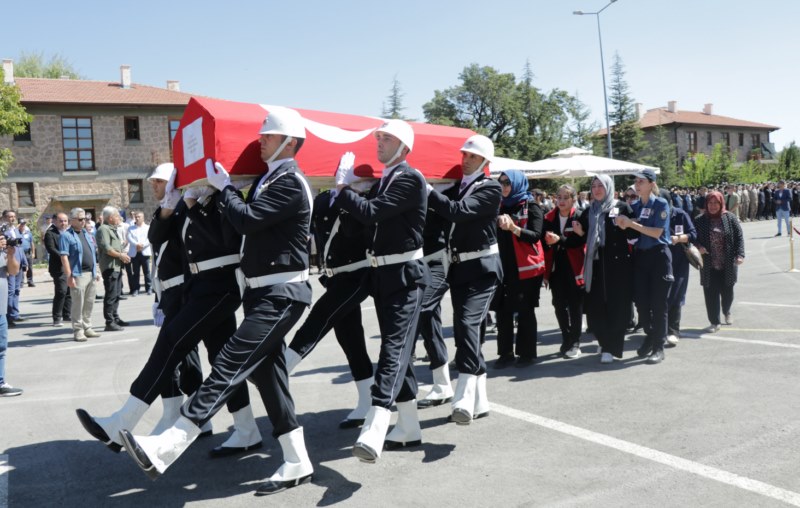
(217, 250)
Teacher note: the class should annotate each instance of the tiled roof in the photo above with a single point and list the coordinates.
(78, 91)
(663, 117)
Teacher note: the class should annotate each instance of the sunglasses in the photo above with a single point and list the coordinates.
(81, 219)
(504, 182)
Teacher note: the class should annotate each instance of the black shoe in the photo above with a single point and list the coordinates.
(272, 487)
(113, 327)
(398, 445)
(122, 323)
(227, 451)
(351, 424)
(12, 324)
(504, 361)
(135, 293)
(138, 455)
(656, 357)
(122, 297)
(96, 430)
(778, 234)
(524, 361)
(31, 285)
(426, 403)
(646, 348)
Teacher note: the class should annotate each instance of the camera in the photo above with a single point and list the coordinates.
(10, 242)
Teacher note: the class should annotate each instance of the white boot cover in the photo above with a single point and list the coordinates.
(126, 418)
(165, 448)
(364, 388)
(464, 399)
(481, 399)
(370, 442)
(172, 410)
(296, 463)
(245, 431)
(406, 431)
(442, 388)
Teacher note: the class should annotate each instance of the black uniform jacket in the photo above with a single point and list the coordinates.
(474, 227)
(395, 216)
(349, 244)
(51, 236)
(276, 225)
(170, 262)
(207, 237)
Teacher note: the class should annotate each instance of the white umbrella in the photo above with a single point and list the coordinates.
(500, 164)
(574, 162)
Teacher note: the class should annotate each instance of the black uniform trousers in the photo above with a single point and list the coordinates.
(112, 283)
(652, 281)
(470, 306)
(717, 292)
(521, 301)
(567, 303)
(430, 318)
(188, 375)
(398, 318)
(677, 295)
(62, 300)
(208, 316)
(256, 350)
(607, 311)
(339, 308)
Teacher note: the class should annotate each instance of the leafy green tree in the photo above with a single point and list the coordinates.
(788, 167)
(705, 169)
(662, 153)
(393, 107)
(581, 130)
(33, 65)
(485, 101)
(626, 135)
(13, 120)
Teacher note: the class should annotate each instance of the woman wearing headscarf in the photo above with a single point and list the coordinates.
(564, 259)
(521, 254)
(721, 242)
(608, 267)
(652, 263)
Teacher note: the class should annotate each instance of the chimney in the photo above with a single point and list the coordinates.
(672, 106)
(174, 86)
(125, 76)
(708, 109)
(8, 71)
(639, 110)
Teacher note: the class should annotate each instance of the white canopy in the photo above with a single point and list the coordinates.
(572, 162)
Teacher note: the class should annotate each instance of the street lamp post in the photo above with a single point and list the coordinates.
(602, 68)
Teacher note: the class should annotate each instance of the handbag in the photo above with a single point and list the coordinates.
(693, 255)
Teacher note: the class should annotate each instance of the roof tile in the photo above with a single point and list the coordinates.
(78, 91)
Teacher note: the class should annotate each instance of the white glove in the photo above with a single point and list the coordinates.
(199, 193)
(345, 175)
(158, 316)
(363, 185)
(171, 199)
(216, 175)
(171, 181)
(429, 188)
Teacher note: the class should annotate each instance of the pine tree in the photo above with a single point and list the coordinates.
(393, 107)
(626, 135)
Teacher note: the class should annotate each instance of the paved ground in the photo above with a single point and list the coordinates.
(717, 424)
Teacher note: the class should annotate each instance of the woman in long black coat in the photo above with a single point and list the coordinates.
(721, 242)
(608, 268)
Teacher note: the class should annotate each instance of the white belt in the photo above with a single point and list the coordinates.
(208, 264)
(330, 272)
(468, 256)
(439, 255)
(276, 278)
(394, 259)
(171, 283)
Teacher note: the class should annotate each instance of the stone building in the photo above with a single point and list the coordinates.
(90, 144)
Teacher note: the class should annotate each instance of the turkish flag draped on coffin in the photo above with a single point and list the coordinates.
(227, 132)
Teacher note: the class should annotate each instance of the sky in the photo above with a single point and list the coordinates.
(343, 55)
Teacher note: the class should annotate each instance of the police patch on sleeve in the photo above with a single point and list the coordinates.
(663, 214)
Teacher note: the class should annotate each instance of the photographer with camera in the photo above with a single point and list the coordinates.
(13, 238)
(9, 267)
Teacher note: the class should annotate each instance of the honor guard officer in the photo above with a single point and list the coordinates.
(475, 270)
(398, 276)
(168, 278)
(344, 242)
(652, 263)
(210, 252)
(274, 221)
(430, 317)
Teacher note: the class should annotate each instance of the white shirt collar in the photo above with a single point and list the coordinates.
(388, 169)
(272, 166)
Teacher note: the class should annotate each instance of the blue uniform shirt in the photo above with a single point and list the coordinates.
(655, 214)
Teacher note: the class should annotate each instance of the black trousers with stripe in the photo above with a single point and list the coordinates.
(339, 308)
(430, 318)
(256, 351)
(188, 375)
(470, 306)
(207, 316)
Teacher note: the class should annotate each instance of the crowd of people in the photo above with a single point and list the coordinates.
(491, 243)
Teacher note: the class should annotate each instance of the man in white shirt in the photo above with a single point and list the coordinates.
(139, 251)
